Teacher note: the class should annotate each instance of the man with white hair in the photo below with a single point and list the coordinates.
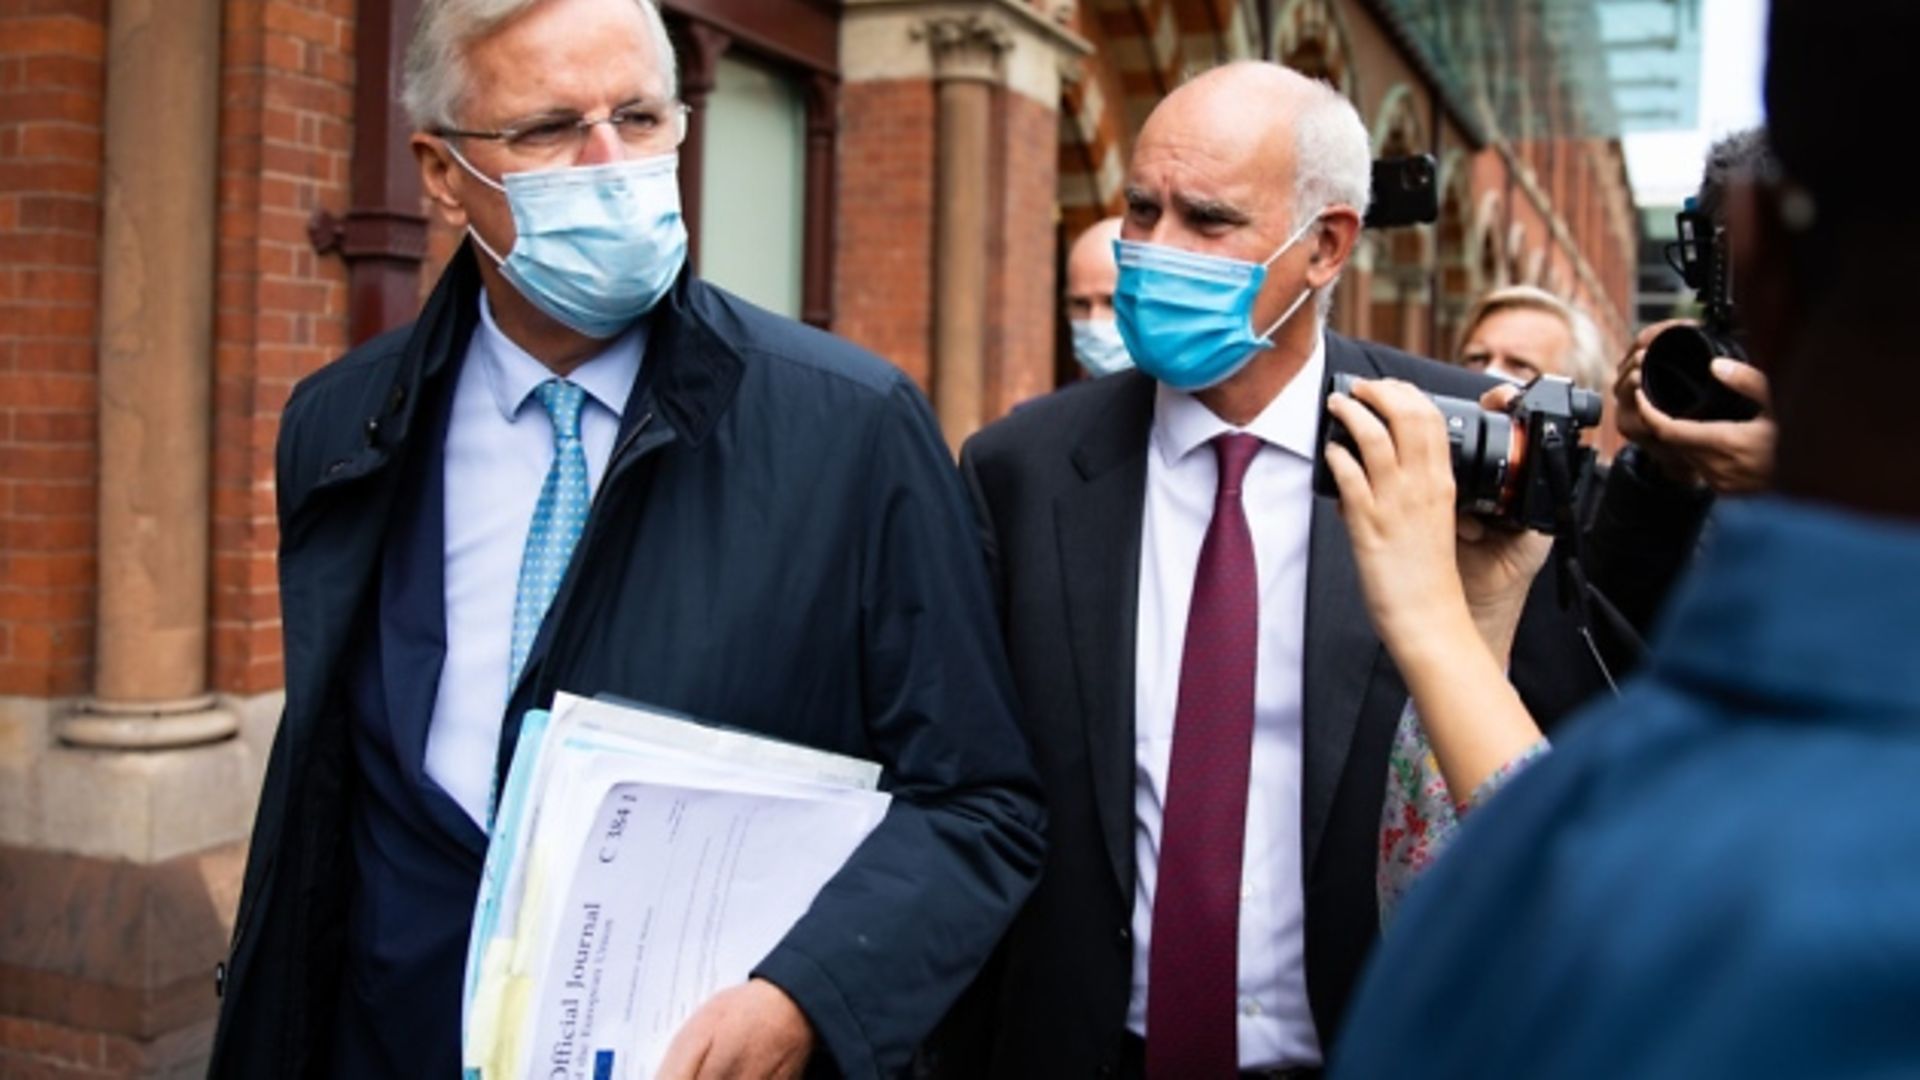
(1209, 708)
(583, 469)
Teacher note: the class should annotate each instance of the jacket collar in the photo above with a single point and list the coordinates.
(1800, 606)
(693, 366)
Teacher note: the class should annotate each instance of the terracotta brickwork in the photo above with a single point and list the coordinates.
(285, 150)
(883, 252)
(52, 87)
(1021, 290)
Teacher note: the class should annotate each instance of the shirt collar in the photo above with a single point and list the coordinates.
(512, 373)
(1181, 424)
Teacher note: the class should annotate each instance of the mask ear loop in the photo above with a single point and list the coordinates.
(487, 180)
(1283, 249)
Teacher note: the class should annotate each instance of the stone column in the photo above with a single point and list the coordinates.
(948, 195)
(967, 51)
(156, 362)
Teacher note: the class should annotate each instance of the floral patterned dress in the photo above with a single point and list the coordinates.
(1419, 816)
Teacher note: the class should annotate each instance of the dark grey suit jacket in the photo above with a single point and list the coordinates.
(1060, 489)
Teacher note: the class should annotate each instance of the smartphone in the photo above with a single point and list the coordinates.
(1406, 191)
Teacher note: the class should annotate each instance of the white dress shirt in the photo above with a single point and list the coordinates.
(498, 450)
(1275, 1023)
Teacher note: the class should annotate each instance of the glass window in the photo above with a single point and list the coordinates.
(753, 184)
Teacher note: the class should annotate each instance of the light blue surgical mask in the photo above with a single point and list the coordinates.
(1187, 317)
(595, 246)
(1097, 345)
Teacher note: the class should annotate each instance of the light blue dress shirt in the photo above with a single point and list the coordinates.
(499, 447)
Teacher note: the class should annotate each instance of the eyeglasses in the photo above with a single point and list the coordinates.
(643, 126)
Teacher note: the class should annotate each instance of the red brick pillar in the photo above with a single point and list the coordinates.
(947, 197)
(119, 866)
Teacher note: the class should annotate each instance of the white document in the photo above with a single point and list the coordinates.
(640, 863)
(740, 750)
(680, 893)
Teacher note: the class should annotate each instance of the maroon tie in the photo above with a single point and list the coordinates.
(1193, 957)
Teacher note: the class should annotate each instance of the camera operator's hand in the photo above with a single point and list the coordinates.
(1497, 566)
(1731, 457)
(1399, 508)
(1400, 513)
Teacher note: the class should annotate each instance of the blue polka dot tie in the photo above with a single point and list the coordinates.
(558, 519)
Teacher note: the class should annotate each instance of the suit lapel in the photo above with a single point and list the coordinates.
(1341, 648)
(1098, 524)
(413, 639)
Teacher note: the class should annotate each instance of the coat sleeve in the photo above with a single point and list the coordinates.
(895, 937)
(1642, 537)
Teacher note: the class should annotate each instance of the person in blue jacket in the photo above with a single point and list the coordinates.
(583, 469)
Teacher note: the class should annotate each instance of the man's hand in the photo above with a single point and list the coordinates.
(1731, 457)
(751, 1032)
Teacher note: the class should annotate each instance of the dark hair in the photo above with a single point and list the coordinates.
(1741, 154)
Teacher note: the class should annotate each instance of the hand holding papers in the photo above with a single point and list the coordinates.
(639, 864)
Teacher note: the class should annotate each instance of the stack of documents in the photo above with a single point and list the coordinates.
(639, 864)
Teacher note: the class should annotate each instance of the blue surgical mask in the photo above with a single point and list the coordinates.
(1186, 317)
(595, 246)
(1097, 345)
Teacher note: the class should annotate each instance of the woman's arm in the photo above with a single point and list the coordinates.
(1445, 593)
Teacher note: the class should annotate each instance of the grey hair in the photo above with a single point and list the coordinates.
(1586, 357)
(436, 70)
(1333, 163)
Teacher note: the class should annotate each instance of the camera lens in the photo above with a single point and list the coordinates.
(1677, 375)
(1484, 458)
(1521, 468)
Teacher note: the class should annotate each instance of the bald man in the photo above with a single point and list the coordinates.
(1209, 708)
(1091, 273)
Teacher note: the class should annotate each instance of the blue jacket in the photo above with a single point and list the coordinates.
(780, 543)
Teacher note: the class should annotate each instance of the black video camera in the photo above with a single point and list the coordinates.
(1406, 191)
(1677, 373)
(1520, 468)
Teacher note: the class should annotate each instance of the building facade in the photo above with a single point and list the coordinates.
(201, 201)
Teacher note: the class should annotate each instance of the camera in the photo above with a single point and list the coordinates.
(1676, 372)
(1520, 468)
(1406, 191)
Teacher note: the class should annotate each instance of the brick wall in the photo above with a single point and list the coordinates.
(285, 150)
(883, 244)
(1021, 290)
(286, 91)
(51, 97)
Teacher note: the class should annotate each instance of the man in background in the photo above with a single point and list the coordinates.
(1521, 332)
(1091, 273)
(1663, 482)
